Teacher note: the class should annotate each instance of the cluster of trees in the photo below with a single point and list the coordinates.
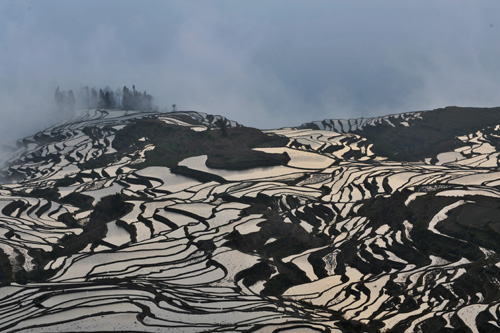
(65, 100)
(134, 100)
(92, 99)
(127, 99)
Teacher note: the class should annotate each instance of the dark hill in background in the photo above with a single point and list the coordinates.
(427, 135)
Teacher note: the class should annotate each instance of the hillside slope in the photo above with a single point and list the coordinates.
(150, 222)
(414, 136)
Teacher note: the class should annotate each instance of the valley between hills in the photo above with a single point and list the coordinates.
(144, 221)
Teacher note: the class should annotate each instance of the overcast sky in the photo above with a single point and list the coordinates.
(266, 64)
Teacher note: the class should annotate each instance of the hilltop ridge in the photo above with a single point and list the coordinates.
(416, 136)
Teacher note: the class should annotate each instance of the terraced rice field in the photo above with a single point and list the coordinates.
(337, 239)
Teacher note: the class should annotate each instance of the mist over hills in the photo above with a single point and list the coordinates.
(149, 221)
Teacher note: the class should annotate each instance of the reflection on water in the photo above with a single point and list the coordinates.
(171, 182)
(198, 163)
(300, 158)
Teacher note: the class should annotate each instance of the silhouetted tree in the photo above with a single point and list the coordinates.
(94, 98)
(70, 101)
(108, 99)
(126, 99)
(59, 98)
(101, 103)
(222, 124)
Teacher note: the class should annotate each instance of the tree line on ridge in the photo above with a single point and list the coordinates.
(91, 98)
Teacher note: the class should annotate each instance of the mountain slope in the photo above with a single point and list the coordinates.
(180, 221)
(415, 136)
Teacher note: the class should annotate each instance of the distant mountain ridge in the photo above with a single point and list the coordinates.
(442, 116)
(355, 124)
